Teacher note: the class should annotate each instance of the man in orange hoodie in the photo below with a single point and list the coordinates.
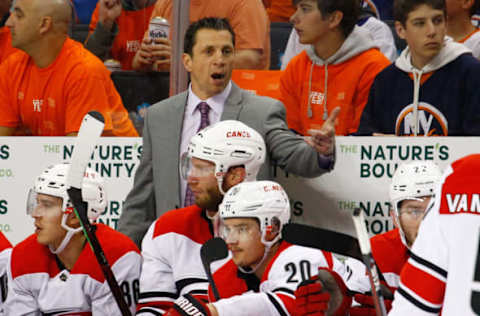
(336, 69)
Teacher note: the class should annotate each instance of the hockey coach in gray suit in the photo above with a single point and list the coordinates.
(211, 97)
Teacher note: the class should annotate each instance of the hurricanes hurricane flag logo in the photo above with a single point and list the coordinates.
(431, 122)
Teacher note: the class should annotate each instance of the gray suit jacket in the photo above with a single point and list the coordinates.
(156, 187)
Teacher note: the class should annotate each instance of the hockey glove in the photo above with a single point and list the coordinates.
(311, 298)
(188, 305)
(367, 306)
(324, 294)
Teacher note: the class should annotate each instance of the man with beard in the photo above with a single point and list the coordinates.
(218, 157)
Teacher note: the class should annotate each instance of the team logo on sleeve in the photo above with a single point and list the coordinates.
(431, 122)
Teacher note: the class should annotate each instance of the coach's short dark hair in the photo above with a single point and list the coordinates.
(349, 8)
(218, 24)
(402, 8)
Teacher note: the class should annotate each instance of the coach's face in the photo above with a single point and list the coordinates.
(211, 62)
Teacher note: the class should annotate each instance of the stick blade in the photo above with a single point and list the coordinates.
(88, 134)
(322, 239)
(213, 250)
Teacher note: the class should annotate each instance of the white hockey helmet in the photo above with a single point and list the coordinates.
(412, 181)
(52, 181)
(227, 144)
(263, 200)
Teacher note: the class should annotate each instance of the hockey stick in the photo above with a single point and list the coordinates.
(88, 135)
(213, 250)
(372, 270)
(323, 239)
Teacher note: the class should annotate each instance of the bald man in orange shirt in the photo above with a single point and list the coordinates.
(49, 86)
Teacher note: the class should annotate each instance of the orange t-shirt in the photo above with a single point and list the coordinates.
(248, 19)
(6, 48)
(348, 87)
(52, 101)
(131, 27)
(280, 10)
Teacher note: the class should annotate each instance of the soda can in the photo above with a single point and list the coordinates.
(113, 65)
(158, 28)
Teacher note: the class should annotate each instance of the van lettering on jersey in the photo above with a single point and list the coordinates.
(461, 203)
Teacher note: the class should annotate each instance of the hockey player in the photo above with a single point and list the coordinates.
(264, 271)
(5, 251)
(218, 157)
(432, 88)
(411, 190)
(54, 271)
(443, 270)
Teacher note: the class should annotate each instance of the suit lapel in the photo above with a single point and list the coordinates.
(233, 104)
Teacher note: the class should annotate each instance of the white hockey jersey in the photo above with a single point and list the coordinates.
(38, 286)
(243, 294)
(5, 251)
(172, 265)
(443, 272)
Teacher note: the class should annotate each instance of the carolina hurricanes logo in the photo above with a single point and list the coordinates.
(431, 122)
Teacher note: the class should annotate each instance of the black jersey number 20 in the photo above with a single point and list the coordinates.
(303, 268)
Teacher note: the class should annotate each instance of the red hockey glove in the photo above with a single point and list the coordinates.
(311, 298)
(367, 306)
(188, 305)
(322, 294)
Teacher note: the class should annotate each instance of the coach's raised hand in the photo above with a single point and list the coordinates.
(323, 139)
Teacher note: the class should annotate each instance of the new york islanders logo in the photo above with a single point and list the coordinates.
(431, 122)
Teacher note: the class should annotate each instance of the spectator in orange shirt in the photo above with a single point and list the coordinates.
(117, 27)
(249, 21)
(48, 90)
(6, 48)
(335, 70)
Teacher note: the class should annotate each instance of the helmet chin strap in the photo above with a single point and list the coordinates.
(70, 232)
(268, 246)
(220, 183)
